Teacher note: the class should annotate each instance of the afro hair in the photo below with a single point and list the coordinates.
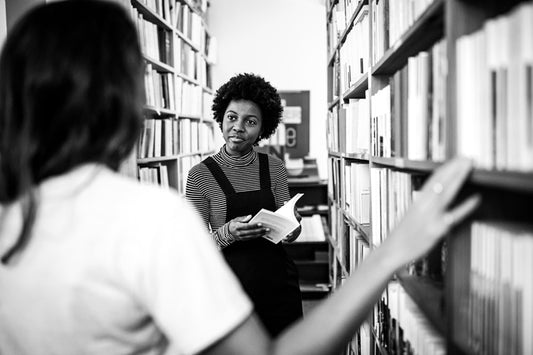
(253, 88)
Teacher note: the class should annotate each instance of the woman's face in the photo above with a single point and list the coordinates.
(241, 126)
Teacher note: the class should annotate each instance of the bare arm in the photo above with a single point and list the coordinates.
(330, 326)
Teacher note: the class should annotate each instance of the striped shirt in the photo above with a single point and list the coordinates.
(243, 173)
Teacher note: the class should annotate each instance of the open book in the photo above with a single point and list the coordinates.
(281, 222)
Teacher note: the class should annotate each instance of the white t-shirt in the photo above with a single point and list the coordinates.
(113, 267)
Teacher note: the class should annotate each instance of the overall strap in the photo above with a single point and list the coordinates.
(264, 171)
(219, 176)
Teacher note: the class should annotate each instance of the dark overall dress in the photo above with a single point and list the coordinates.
(265, 271)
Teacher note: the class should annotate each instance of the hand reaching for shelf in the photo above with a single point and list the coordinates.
(429, 217)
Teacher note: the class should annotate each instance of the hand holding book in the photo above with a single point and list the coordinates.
(280, 223)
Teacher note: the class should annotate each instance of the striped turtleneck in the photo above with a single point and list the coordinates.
(243, 173)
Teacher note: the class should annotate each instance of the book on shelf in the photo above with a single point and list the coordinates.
(280, 222)
(155, 175)
(354, 52)
(409, 114)
(356, 191)
(497, 316)
(381, 123)
(380, 29)
(494, 96)
(403, 327)
(391, 193)
(357, 130)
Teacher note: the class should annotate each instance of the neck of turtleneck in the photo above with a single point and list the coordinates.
(236, 161)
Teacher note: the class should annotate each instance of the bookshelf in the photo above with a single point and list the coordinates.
(179, 52)
(422, 82)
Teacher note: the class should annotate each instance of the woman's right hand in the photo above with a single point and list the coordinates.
(241, 230)
(430, 217)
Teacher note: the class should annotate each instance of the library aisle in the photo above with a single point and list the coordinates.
(411, 84)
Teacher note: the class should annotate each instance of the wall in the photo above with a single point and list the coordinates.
(3, 21)
(282, 40)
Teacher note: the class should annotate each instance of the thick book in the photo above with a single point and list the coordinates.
(281, 222)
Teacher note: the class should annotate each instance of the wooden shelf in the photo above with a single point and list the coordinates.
(509, 180)
(406, 164)
(151, 16)
(427, 30)
(333, 104)
(357, 91)
(158, 65)
(504, 180)
(362, 157)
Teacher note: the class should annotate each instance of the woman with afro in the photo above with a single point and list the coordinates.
(229, 187)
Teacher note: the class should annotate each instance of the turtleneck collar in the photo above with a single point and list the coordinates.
(224, 158)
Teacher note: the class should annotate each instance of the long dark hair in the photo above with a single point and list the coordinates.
(71, 92)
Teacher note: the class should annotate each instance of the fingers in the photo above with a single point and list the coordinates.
(460, 212)
(446, 181)
(241, 229)
(243, 219)
(259, 230)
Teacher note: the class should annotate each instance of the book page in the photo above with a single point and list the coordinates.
(281, 222)
(287, 210)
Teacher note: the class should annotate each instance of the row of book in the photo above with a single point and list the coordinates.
(495, 303)
(184, 16)
(348, 128)
(355, 195)
(190, 63)
(494, 92)
(169, 173)
(165, 137)
(351, 245)
(354, 61)
(191, 25)
(351, 248)
(334, 178)
(164, 90)
(341, 14)
(195, 136)
(154, 40)
(402, 328)
(184, 55)
(409, 114)
(154, 175)
(391, 19)
(159, 88)
(160, 7)
(391, 194)
(189, 98)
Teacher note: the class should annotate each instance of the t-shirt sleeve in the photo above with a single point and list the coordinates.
(184, 282)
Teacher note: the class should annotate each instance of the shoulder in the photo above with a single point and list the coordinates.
(199, 168)
(275, 163)
(199, 174)
(146, 201)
